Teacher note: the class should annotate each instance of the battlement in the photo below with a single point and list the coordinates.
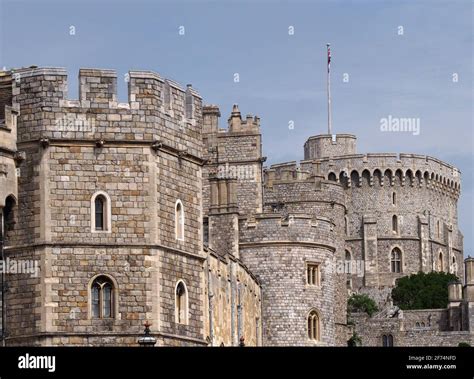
(387, 169)
(290, 228)
(290, 171)
(157, 108)
(211, 114)
(299, 183)
(147, 90)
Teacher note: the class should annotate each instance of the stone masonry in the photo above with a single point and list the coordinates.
(195, 236)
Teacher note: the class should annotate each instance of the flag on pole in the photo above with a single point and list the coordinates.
(329, 90)
(329, 57)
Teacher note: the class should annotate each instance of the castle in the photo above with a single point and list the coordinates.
(149, 211)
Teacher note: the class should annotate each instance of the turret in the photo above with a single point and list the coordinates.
(223, 216)
(327, 146)
(210, 114)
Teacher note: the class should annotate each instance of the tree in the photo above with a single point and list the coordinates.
(354, 341)
(423, 291)
(362, 303)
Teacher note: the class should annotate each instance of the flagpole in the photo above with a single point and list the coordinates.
(329, 89)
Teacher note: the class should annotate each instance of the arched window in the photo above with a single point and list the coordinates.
(181, 303)
(332, 177)
(440, 262)
(179, 220)
(346, 225)
(387, 340)
(343, 178)
(314, 326)
(394, 198)
(8, 216)
(422, 324)
(348, 262)
(417, 325)
(377, 177)
(366, 177)
(102, 297)
(101, 213)
(399, 176)
(395, 224)
(355, 178)
(454, 266)
(396, 261)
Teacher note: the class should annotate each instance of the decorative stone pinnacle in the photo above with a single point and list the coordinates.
(235, 111)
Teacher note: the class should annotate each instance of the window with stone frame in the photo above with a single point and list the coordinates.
(179, 220)
(314, 326)
(394, 224)
(101, 213)
(181, 303)
(102, 298)
(387, 340)
(8, 216)
(313, 274)
(396, 260)
(440, 262)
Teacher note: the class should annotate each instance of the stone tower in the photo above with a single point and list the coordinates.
(401, 210)
(234, 153)
(294, 248)
(140, 158)
(109, 203)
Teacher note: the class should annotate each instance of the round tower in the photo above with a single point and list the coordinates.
(295, 248)
(329, 145)
(401, 213)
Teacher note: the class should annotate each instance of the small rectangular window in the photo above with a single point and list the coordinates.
(313, 274)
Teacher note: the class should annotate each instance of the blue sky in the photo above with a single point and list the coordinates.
(282, 76)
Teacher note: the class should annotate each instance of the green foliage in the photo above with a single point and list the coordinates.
(463, 344)
(362, 303)
(422, 291)
(354, 340)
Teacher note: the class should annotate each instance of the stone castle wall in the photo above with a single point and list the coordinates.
(234, 304)
(405, 332)
(263, 227)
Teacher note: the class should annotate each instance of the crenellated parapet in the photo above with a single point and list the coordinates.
(292, 228)
(292, 183)
(391, 169)
(158, 109)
